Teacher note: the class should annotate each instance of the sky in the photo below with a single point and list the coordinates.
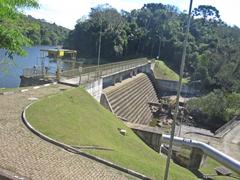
(67, 12)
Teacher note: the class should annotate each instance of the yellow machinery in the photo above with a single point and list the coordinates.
(58, 55)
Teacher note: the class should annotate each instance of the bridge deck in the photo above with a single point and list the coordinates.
(90, 74)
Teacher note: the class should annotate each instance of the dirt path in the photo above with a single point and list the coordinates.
(23, 153)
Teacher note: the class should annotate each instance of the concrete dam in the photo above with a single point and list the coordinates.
(128, 89)
(129, 99)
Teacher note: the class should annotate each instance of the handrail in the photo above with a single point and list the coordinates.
(207, 149)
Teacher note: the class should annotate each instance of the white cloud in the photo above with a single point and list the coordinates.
(66, 13)
(229, 10)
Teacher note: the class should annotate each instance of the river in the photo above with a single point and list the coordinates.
(11, 71)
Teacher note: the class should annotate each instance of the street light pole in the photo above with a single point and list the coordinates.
(178, 92)
(99, 45)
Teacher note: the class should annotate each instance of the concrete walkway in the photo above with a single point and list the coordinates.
(229, 144)
(23, 154)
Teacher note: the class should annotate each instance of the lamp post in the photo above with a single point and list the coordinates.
(178, 92)
(99, 45)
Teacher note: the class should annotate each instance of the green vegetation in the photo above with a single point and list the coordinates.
(208, 170)
(41, 32)
(215, 108)
(75, 118)
(12, 37)
(18, 31)
(162, 71)
(157, 30)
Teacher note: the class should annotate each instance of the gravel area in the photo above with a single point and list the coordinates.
(24, 154)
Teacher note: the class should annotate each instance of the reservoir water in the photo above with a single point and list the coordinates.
(10, 72)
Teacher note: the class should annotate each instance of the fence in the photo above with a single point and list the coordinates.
(227, 127)
(37, 71)
(87, 74)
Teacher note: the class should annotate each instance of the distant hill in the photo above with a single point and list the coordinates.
(40, 32)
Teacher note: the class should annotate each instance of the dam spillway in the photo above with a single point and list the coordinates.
(129, 99)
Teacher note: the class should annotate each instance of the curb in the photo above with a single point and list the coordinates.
(77, 151)
(9, 175)
(25, 90)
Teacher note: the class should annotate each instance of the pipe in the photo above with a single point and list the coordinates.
(207, 149)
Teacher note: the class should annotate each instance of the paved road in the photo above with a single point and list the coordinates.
(231, 142)
(24, 154)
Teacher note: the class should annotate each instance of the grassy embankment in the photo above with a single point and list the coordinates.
(162, 71)
(75, 118)
(208, 169)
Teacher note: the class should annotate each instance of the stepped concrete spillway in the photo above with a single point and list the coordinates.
(129, 99)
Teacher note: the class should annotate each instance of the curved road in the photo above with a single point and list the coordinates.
(25, 155)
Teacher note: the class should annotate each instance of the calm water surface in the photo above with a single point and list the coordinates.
(10, 73)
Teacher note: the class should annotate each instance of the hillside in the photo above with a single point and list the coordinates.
(162, 71)
(157, 30)
(40, 32)
(75, 118)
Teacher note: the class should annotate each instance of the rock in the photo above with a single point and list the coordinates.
(123, 131)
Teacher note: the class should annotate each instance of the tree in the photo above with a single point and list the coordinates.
(207, 13)
(12, 37)
(112, 25)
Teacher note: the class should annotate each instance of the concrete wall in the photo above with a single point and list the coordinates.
(95, 88)
(32, 81)
(105, 103)
(111, 79)
(167, 87)
(151, 139)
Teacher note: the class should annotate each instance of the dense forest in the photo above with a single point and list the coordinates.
(157, 30)
(41, 32)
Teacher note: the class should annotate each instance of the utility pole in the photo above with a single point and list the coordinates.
(185, 43)
(99, 45)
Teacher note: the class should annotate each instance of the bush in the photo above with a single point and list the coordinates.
(215, 108)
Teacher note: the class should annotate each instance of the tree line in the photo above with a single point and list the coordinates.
(41, 32)
(18, 30)
(157, 30)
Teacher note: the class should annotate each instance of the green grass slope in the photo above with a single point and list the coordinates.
(208, 169)
(75, 118)
(162, 71)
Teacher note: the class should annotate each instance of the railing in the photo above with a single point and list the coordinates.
(37, 71)
(87, 74)
(33, 72)
(227, 127)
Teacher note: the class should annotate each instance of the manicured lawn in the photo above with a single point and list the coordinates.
(75, 118)
(162, 71)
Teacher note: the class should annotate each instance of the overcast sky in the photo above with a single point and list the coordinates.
(67, 12)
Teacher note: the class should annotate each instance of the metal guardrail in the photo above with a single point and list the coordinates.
(226, 127)
(207, 149)
(37, 71)
(33, 72)
(88, 74)
(106, 68)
